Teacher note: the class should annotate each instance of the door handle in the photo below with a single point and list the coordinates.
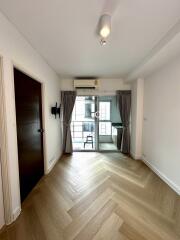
(40, 130)
(97, 114)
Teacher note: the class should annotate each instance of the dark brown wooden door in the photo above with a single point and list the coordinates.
(29, 131)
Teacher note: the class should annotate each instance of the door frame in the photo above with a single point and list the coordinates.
(32, 79)
(35, 78)
(6, 186)
(9, 215)
(97, 149)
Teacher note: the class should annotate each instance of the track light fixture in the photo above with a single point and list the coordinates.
(104, 28)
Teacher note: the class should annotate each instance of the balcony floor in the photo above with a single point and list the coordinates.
(78, 146)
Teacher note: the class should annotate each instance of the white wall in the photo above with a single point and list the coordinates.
(137, 88)
(161, 128)
(1, 202)
(15, 49)
(107, 86)
(1, 191)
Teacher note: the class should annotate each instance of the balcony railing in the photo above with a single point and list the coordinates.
(81, 129)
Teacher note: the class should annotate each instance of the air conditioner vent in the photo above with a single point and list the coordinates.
(86, 83)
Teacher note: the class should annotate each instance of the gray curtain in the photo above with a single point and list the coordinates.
(67, 104)
(124, 104)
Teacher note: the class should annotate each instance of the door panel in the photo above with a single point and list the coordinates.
(29, 121)
(83, 127)
(109, 122)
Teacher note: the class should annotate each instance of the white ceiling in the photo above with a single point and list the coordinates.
(63, 32)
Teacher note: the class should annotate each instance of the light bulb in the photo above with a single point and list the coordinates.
(105, 31)
(105, 25)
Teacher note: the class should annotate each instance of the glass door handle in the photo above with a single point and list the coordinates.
(96, 114)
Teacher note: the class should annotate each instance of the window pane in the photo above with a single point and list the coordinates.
(77, 134)
(83, 109)
(104, 110)
(105, 128)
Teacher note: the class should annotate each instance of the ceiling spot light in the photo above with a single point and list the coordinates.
(104, 27)
(105, 31)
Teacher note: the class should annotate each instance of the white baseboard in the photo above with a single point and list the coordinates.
(171, 184)
(16, 213)
(52, 165)
(2, 228)
(135, 157)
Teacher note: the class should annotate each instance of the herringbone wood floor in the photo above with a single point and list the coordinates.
(98, 196)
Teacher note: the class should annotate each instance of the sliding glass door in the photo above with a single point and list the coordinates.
(109, 122)
(83, 124)
(95, 124)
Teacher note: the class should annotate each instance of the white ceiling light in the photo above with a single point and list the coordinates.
(104, 27)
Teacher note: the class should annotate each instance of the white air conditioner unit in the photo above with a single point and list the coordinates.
(86, 83)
